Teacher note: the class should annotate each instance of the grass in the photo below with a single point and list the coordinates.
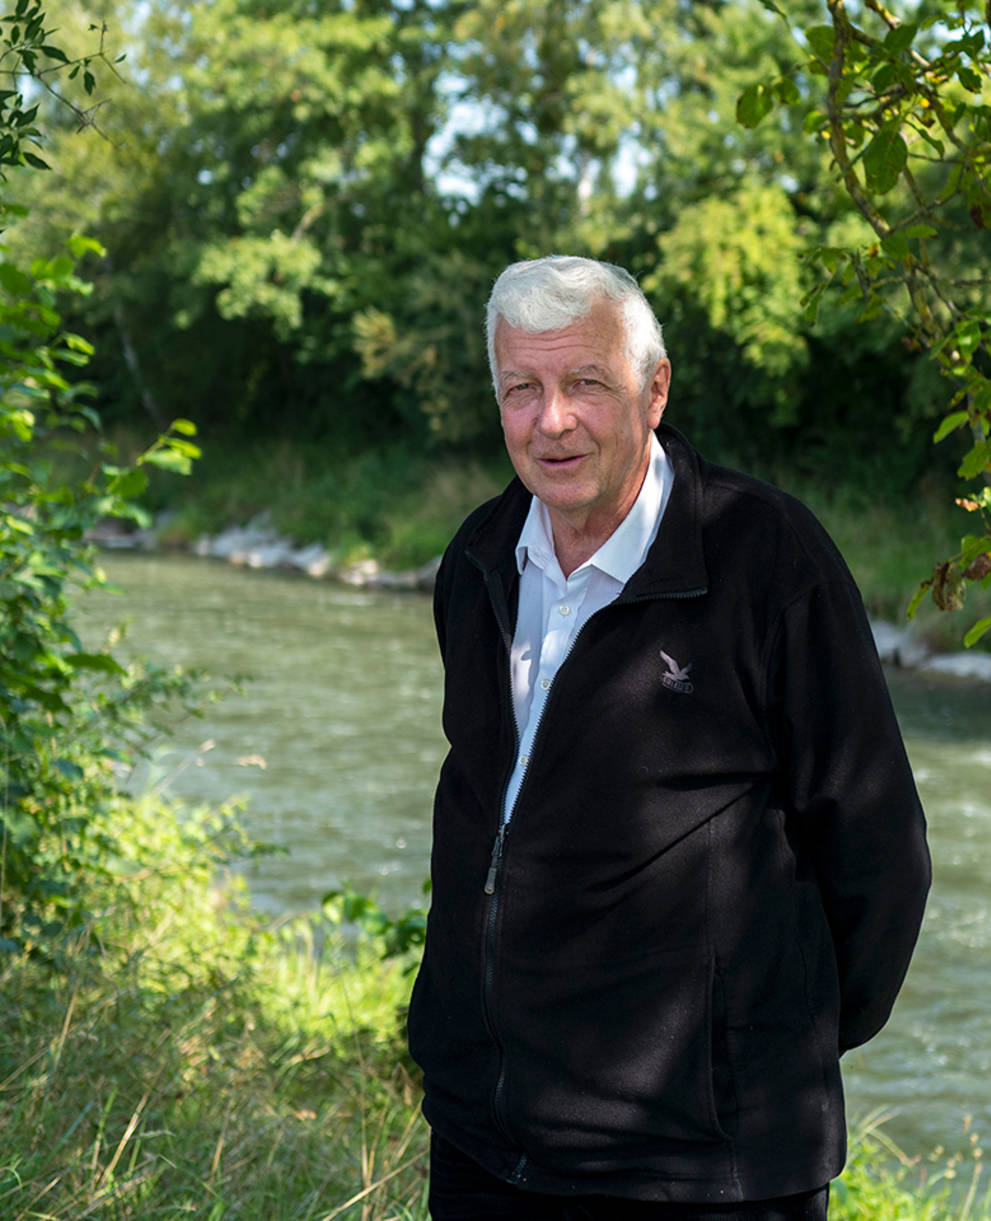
(180, 1059)
(883, 1183)
(184, 1061)
(401, 508)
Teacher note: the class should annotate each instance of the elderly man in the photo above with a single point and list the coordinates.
(679, 862)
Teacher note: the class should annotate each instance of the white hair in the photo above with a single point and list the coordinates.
(551, 293)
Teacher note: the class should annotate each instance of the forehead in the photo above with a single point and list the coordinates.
(596, 339)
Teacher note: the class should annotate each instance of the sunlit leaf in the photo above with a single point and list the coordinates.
(917, 598)
(884, 158)
(950, 424)
(977, 631)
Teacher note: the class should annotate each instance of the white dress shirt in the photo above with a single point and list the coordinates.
(554, 608)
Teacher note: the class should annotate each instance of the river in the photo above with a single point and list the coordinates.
(335, 742)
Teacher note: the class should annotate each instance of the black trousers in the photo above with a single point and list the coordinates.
(460, 1190)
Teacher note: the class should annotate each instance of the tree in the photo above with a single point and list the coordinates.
(901, 101)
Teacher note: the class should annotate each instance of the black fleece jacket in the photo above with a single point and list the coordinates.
(714, 874)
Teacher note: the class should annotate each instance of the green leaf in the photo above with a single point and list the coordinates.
(970, 80)
(814, 120)
(786, 91)
(186, 427)
(101, 662)
(977, 631)
(128, 484)
(976, 462)
(168, 460)
(15, 281)
(896, 245)
(950, 424)
(917, 597)
(884, 158)
(919, 231)
(966, 337)
(884, 77)
(821, 39)
(70, 770)
(79, 245)
(901, 38)
(773, 8)
(78, 344)
(753, 104)
(36, 162)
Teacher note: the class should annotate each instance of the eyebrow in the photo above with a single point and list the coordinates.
(510, 374)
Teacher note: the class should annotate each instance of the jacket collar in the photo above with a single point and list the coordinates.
(675, 564)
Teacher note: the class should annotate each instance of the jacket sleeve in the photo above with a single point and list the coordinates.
(849, 789)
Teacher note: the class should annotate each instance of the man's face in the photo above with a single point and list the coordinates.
(576, 418)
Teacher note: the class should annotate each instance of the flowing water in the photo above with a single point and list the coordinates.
(335, 743)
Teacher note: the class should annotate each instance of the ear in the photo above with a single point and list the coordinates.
(660, 383)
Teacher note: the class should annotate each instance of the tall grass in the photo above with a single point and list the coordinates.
(185, 1060)
(188, 1062)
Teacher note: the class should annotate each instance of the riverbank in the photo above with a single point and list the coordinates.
(259, 545)
(183, 1057)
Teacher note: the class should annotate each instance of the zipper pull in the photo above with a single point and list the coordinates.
(490, 877)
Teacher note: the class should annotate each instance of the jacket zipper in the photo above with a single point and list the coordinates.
(498, 851)
(499, 844)
(492, 912)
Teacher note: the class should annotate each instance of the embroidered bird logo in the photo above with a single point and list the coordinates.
(676, 673)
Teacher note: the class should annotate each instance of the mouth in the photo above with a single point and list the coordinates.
(560, 461)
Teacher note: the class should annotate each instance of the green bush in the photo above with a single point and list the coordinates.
(68, 716)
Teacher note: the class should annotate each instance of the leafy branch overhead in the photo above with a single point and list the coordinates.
(902, 103)
(31, 61)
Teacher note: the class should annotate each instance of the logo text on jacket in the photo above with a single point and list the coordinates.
(676, 678)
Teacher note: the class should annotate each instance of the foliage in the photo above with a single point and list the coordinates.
(394, 935)
(67, 713)
(901, 100)
(194, 1061)
(27, 51)
(736, 255)
(883, 1183)
(303, 209)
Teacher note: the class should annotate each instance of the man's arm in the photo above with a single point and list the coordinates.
(849, 785)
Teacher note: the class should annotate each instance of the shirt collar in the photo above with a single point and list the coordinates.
(626, 548)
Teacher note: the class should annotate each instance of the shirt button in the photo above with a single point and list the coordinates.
(545, 683)
(564, 610)
(524, 760)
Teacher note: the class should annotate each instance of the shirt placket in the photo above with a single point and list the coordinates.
(559, 624)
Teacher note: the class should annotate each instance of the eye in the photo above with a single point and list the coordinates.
(516, 389)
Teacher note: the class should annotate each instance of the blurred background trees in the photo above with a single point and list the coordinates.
(302, 205)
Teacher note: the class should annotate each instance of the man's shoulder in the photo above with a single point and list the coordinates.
(764, 519)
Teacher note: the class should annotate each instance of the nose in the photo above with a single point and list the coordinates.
(556, 415)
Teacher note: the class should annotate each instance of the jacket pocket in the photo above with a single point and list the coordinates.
(616, 1054)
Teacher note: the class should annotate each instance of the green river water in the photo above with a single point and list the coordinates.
(335, 744)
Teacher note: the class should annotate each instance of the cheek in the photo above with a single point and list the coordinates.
(514, 429)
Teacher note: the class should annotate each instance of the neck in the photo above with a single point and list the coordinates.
(576, 540)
